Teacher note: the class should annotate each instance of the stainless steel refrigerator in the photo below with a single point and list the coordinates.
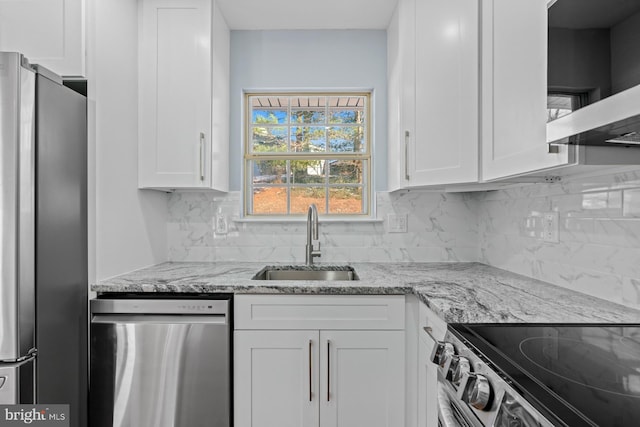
(43, 238)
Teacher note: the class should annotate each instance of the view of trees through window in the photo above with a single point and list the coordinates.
(304, 149)
(560, 104)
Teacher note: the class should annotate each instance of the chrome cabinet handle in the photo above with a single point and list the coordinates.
(406, 155)
(310, 387)
(328, 371)
(201, 156)
(429, 331)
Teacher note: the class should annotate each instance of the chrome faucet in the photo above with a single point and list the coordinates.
(312, 234)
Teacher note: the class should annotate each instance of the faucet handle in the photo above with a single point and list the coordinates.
(315, 252)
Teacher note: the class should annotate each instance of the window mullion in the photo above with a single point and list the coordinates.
(289, 125)
(327, 195)
(289, 173)
(289, 178)
(326, 125)
(326, 150)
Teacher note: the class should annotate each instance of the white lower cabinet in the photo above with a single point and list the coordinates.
(276, 378)
(319, 377)
(361, 378)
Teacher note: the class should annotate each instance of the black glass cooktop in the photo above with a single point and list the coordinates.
(585, 375)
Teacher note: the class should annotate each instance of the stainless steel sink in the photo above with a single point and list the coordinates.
(315, 272)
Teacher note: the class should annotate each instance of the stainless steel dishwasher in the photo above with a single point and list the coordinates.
(160, 363)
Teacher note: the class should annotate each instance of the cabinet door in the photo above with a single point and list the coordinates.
(514, 88)
(47, 32)
(362, 378)
(433, 93)
(401, 40)
(395, 127)
(444, 145)
(427, 370)
(174, 94)
(276, 379)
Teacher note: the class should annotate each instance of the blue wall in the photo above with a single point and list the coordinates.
(324, 59)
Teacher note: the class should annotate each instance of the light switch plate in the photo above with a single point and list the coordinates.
(397, 223)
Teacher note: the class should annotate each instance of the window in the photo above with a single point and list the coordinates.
(560, 104)
(307, 148)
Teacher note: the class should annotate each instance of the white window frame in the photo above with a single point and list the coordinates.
(366, 156)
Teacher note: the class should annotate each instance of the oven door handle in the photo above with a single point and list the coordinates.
(446, 416)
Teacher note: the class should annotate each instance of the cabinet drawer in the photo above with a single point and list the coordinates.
(319, 312)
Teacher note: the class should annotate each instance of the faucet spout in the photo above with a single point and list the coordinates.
(312, 234)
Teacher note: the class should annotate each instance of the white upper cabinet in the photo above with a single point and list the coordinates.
(183, 95)
(445, 141)
(514, 90)
(433, 93)
(47, 32)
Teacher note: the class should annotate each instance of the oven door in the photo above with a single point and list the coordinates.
(451, 412)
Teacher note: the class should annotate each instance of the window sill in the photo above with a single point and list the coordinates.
(303, 219)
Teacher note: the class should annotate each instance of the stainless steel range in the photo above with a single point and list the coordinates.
(539, 375)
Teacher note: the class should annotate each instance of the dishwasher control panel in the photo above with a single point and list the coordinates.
(160, 306)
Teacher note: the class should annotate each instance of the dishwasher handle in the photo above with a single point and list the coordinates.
(138, 319)
(157, 306)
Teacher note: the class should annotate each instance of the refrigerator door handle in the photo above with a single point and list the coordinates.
(30, 356)
(17, 382)
(19, 360)
(18, 363)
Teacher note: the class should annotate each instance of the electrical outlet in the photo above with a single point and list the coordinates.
(550, 227)
(397, 223)
(221, 225)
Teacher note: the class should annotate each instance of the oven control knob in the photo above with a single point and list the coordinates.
(475, 390)
(442, 352)
(460, 365)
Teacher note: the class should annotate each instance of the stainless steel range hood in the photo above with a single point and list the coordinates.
(625, 132)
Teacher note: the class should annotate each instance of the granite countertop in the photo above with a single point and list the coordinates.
(457, 292)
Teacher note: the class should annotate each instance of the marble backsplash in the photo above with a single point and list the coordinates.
(598, 247)
(441, 227)
(597, 252)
